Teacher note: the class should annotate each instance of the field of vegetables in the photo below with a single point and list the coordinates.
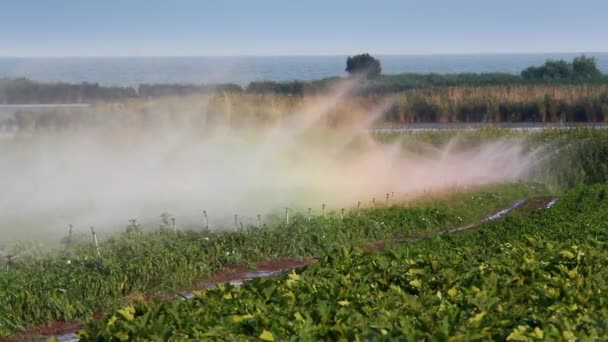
(73, 282)
(533, 275)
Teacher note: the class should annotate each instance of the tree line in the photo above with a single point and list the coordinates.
(582, 70)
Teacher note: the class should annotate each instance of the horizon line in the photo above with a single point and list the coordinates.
(307, 55)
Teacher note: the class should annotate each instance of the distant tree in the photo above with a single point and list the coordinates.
(582, 67)
(551, 70)
(555, 70)
(363, 64)
(585, 67)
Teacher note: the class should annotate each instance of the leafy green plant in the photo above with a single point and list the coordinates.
(67, 286)
(529, 277)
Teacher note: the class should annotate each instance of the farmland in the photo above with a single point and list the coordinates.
(381, 271)
(74, 283)
(532, 276)
(458, 103)
(303, 171)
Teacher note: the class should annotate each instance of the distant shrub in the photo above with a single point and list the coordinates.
(581, 68)
(363, 64)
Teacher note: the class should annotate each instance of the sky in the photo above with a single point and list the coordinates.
(312, 27)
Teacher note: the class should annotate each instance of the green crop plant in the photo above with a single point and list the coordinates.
(64, 285)
(535, 276)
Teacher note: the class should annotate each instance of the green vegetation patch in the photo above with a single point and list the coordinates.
(540, 276)
(74, 283)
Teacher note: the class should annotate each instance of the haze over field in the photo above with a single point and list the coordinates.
(103, 176)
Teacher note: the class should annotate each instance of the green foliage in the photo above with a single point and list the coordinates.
(573, 156)
(349, 294)
(528, 277)
(585, 67)
(159, 90)
(565, 157)
(552, 70)
(364, 65)
(74, 283)
(581, 68)
(23, 91)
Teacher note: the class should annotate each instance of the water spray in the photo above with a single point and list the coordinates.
(342, 214)
(358, 208)
(323, 210)
(259, 221)
(9, 260)
(210, 171)
(236, 221)
(374, 202)
(173, 225)
(309, 210)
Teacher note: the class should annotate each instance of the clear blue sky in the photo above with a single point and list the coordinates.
(299, 27)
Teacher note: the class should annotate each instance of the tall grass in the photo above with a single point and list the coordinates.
(536, 103)
(493, 104)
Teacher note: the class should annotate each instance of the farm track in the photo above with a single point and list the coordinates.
(66, 331)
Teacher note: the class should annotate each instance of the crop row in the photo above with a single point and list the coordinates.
(73, 282)
(535, 276)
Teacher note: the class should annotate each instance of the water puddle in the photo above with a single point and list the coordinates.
(550, 204)
(71, 337)
(244, 277)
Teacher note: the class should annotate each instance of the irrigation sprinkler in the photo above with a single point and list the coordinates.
(95, 241)
(206, 219)
(259, 221)
(9, 259)
(236, 221)
(342, 214)
(286, 216)
(387, 199)
(323, 210)
(241, 224)
(173, 225)
(69, 241)
(70, 235)
(374, 202)
(358, 207)
(309, 210)
(11, 256)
